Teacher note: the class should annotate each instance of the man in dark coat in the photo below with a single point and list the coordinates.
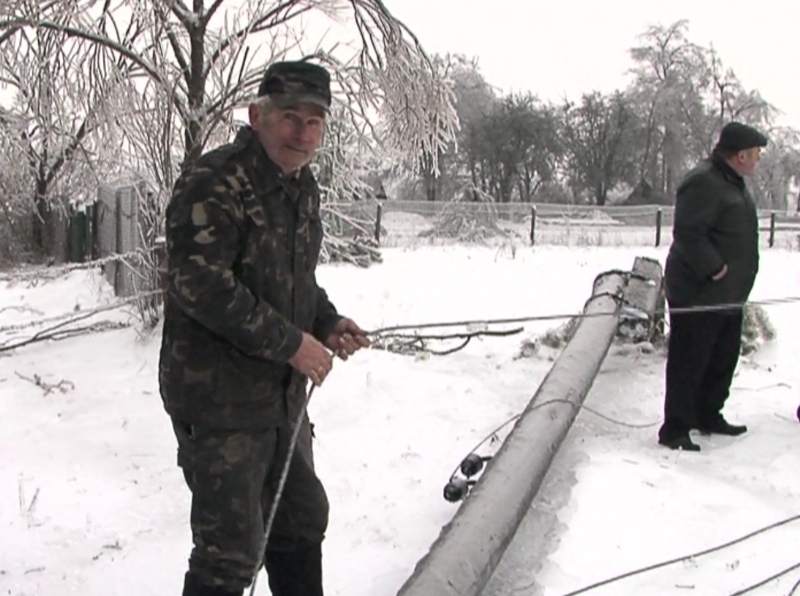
(713, 262)
(245, 327)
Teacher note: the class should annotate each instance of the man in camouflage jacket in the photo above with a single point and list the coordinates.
(245, 328)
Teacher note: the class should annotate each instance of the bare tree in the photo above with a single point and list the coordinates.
(596, 136)
(711, 96)
(201, 56)
(663, 64)
(15, 220)
(779, 170)
(59, 90)
(444, 176)
(687, 95)
(191, 65)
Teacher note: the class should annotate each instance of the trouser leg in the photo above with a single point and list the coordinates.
(716, 383)
(692, 338)
(226, 472)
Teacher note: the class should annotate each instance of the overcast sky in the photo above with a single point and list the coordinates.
(567, 47)
(570, 46)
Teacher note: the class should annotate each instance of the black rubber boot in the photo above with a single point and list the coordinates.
(719, 426)
(681, 443)
(191, 587)
(297, 573)
(676, 436)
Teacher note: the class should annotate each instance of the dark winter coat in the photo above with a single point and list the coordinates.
(716, 224)
(242, 248)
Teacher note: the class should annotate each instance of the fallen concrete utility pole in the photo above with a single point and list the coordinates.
(466, 553)
(643, 302)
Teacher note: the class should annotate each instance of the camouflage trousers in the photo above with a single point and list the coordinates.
(233, 476)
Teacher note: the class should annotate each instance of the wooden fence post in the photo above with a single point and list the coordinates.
(378, 215)
(95, 225)
(160, 250)
(119, 248)
(658, 227)
(772, 229)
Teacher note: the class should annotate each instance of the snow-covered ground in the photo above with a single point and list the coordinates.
(92, 502)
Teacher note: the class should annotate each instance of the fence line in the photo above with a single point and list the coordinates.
(400, 223)
(109, 234)
(112, 227)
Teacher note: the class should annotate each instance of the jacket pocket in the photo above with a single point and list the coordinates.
(681, 285)
(726, 290)
(189, 367)
(244, 380)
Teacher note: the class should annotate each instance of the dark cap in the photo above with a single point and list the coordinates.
(736, 136)
(291, 83)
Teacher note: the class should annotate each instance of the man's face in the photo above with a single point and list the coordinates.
(748, 160)
(290, 136)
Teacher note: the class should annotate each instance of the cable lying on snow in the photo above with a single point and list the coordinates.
(702, 553)
(408, 343)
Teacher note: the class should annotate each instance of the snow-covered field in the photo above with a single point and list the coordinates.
(92, 502)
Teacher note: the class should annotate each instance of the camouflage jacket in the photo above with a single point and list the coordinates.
(242, 248)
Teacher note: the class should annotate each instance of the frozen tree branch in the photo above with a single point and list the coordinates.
(212, 10)
(63, 385)
(171, 77)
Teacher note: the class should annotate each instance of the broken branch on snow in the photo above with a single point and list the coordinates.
(68, 318)
(62, 329)
(407, 343)
(63, 385)
(21, 309)
(58, 333)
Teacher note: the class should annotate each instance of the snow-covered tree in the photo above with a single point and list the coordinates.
(181, 70)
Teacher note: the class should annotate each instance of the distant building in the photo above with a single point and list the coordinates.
(644, 194)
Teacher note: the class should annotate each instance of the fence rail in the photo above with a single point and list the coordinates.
(113, 226)
(403, 223)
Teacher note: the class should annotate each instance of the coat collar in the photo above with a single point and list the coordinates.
(726, 170)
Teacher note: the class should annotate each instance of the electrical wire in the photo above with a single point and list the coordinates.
(584, 315)
(695, 555)
(794, 588)
(281, 485)
(767, 580)
(489, 436)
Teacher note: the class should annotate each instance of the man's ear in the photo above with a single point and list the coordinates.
(254, 115)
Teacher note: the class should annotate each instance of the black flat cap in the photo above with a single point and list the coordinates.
(292, 83)
(736, 136)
